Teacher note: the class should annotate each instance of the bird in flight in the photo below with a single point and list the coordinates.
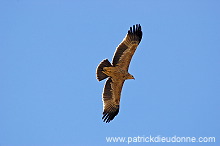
(117, 72)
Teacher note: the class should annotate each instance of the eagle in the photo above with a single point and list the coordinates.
(117, 72)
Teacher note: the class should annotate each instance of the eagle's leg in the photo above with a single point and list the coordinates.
(109, 71)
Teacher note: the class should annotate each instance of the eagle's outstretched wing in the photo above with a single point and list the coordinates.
(127, 47)
(111, 99)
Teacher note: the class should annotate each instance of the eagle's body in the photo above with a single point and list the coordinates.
(117, 72)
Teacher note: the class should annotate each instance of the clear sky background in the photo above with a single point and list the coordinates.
(49, 51)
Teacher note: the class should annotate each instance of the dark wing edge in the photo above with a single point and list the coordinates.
(110, 109)
(133, 36)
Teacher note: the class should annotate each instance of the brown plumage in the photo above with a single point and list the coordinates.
(117, 72)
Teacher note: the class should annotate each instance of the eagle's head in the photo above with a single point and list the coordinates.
(129, 76)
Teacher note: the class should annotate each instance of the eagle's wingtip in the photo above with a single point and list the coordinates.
(136, 30)
(110, 115)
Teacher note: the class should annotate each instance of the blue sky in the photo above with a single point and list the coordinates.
(49, 51)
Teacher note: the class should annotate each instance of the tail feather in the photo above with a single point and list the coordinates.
(100, 75)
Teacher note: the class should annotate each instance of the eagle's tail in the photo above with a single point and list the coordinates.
(100, 75)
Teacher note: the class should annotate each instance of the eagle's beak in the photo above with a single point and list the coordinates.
(132, 77)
